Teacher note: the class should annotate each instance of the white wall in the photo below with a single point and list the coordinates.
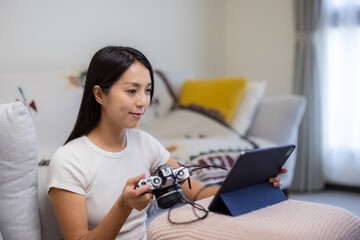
(260, 42)
(251, 38)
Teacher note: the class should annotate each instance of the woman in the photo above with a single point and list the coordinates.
(91, 178)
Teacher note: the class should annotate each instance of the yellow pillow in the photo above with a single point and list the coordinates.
(218, 97)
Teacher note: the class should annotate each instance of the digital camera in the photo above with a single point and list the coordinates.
(165, 185)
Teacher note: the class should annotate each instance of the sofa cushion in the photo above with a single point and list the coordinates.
(19, 215)
(247, 107)
(218, 97)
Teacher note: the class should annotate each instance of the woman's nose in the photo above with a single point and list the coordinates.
(143, 100)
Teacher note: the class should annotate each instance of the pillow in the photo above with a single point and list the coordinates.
(247, 107)
(19, 213)
(217, 97)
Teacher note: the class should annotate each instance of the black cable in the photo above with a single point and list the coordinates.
(194, 204)
(198, 167)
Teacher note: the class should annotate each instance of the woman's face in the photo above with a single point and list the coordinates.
(128, 98)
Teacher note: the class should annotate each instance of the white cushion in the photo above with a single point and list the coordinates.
(19, 214)
(247, 107)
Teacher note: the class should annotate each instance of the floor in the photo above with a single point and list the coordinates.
(343, 199)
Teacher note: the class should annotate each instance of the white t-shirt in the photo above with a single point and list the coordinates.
(82, 167)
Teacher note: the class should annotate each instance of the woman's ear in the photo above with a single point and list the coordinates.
(98, 94)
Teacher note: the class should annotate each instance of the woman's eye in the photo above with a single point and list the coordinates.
(131, 91)
(149, 90)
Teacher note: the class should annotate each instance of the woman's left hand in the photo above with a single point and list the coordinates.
(276, 181)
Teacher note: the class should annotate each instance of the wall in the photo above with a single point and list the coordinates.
(260, 42)
(251, 38)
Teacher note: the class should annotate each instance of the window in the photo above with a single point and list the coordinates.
(340, 34)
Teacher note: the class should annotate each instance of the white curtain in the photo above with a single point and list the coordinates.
(340, 36)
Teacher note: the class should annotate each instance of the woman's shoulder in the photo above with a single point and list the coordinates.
(70, 148)
(69, 156)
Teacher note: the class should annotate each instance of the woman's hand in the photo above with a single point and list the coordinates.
(137, 198)
(276, 181)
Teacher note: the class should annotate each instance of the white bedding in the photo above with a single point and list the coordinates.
(193, 139)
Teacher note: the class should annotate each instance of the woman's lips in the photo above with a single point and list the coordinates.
(138, 115)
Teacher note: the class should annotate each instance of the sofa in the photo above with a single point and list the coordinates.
(38, 110)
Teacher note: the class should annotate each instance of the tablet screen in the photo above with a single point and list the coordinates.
(254, 167)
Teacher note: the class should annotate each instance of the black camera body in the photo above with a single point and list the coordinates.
(165, 185)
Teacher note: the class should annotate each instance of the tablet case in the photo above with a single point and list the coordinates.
(242, 191)
(251, 198)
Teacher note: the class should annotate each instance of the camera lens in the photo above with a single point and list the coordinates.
(169, 196)
(156, 181)
(142, 183)
(180, 174)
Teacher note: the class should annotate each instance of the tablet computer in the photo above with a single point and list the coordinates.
(246, 187)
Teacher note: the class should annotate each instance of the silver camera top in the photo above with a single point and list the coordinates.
(181, 174)
(166, 171)
(165, 177)
(154, 181)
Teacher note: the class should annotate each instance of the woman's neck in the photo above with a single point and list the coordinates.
(108, 139)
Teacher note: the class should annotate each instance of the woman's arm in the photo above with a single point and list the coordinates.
(196, 187)
(71, 212)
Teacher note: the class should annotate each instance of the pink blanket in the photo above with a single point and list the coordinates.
(286, 220)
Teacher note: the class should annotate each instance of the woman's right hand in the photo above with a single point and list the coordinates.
(138, 198)
(71, 212)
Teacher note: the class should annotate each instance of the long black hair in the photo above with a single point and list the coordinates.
(106, 67)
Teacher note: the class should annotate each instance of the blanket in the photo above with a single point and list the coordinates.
(290, 219)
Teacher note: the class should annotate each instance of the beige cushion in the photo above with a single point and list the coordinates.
(246, 110)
